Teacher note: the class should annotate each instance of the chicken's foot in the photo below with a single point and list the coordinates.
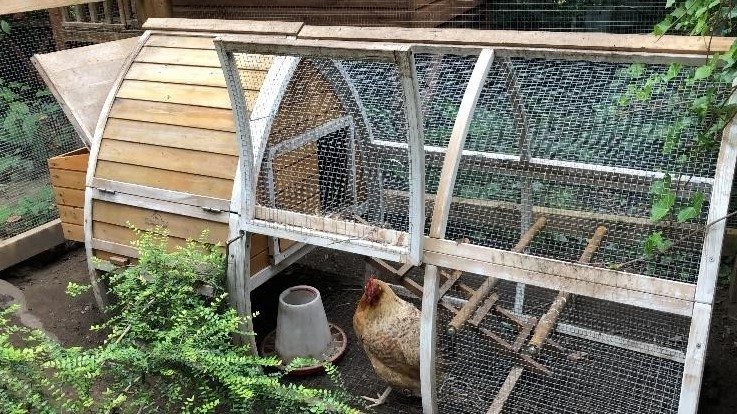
(381, 398)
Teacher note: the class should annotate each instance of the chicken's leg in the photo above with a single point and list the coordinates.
(381, 398)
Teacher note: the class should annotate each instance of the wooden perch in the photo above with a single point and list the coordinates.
(548, 321)
(484, 290)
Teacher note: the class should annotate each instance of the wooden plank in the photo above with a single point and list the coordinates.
(559, 269)
(192, 75)
(203, 42)
(179, 226)
(428, 339)
(75, 160)
(73, 232)
(695, 358)
(197, 57)
(20, 6)
(172, 159)
(530, 39)
(207, 96)
(224, 26)
(332, 225)
(177, 197)
(452, 159)
(612, 293)
(196, 139)
(413, 110)
(93, 66)
(218, 188)
(69, 196)
(281, 45)
(72, 215)
(67, 178)
(316, 4)
(195, 212)
(718, 208)
(173, 114)
(505, 390)
(30, 243)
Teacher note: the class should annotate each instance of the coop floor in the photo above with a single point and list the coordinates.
(338, 276)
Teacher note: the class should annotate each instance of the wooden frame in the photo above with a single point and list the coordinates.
(330, 232)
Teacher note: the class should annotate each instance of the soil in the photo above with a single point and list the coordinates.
(43, 280)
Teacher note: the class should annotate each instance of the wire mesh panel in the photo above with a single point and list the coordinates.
(570, 141)
(319, 174)
(33, 127)
(600, 357)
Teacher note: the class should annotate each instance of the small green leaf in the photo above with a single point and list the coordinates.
(655, 242)
(669, 4)
(662, 206)
(693, 210)
(636, 70)
(673, 70)
(703, 72)
(5, 26)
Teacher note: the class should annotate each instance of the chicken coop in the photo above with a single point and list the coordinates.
(519, 169)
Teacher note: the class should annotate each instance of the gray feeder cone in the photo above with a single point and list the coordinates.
(301, 326)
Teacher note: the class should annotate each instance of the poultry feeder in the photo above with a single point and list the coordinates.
(515, 168)
(302, 330)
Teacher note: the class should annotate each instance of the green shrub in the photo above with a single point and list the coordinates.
(169, 349)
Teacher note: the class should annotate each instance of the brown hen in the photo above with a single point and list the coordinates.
(389, 329)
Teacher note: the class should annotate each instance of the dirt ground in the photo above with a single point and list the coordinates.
(43, 280)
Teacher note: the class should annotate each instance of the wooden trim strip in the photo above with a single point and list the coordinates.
(161, 194)
(561, 269)
(97, 288)
(275, 45)
(428, 339)
(160, 205)
(613, 293)
(454, 151)
(223, 26)
(21, 6)
(528, 39)
(693, 369)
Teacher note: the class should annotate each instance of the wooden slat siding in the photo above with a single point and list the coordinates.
(178, 226)
(172, 159)
(197, 139)
(173, 114)
(66, 178)
(73, 232)
(531, 39)
(69, 196)
(171, 180)
(198, 57)
(284, 244)
(258, 250)
(192, 75)
(207, 96)
(75, 161)
(71, 215)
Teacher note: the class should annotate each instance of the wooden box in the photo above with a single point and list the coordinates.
(67, 173)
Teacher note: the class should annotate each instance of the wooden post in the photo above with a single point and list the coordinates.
(152, 8)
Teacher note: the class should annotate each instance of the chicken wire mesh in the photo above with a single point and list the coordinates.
(601, 357)
(320, 160)
(568, 141)
(32, 125)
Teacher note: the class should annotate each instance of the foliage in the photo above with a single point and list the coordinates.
(169, 349)
(709, 110)
(29, 210)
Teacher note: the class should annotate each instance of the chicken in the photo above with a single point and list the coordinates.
(389, 330)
